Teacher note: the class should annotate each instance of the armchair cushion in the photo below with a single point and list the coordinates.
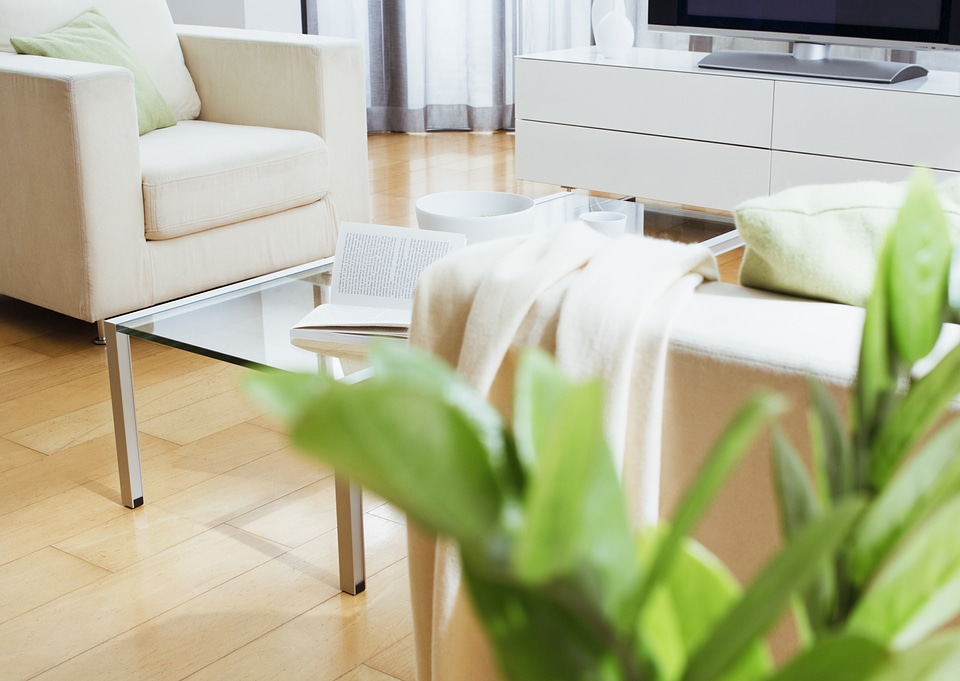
(199, 175)
(91, 38)
(145, 25)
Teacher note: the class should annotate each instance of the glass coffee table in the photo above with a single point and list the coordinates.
(249, 323)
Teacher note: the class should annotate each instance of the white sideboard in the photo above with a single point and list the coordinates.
(655, 126)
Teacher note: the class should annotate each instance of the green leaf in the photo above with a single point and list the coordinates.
(282, 393)
(835, 452)
(412, 433)
(684, 609)
(576, 517)
(729, 449)
(935, 659)
(904, 320)
(927, 400)
(546, 633)
(796, 498)
(919, 270)
(414, 367)
(918, 590)
(798, 506)
(953, 290)
(536, 396)
(818, 460)
(846, 657)
(926, 482)
(801, 621)
(878, 369)
(791, 570)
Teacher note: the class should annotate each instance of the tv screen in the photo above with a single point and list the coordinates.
(916, 23)
(922, 15)
(903, 24)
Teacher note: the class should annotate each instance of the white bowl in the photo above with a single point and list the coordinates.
(479, 215)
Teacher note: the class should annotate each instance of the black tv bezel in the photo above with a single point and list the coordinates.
(671, 14)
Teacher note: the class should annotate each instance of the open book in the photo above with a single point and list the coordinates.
(375, 270)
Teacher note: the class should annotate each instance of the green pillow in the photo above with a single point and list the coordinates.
(91, 38)
(823, 241)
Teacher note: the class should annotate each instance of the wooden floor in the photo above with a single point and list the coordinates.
(229, 570)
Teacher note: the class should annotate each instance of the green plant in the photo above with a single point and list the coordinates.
(896, 581)
(566, 590)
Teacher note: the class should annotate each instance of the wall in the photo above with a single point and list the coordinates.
(273, 15)
(229, 13)
(268, 15)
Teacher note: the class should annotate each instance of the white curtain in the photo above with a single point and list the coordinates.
(448, 64)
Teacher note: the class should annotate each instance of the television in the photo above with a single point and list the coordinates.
(813, 26)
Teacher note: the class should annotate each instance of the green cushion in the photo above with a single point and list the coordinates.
(823, 241)
(91, 38)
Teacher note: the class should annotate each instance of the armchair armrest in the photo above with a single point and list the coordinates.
(71, 206)
(290, 81)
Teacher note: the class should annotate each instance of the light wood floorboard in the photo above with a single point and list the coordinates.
(230, 570)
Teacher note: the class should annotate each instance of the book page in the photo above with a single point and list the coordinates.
(375, 272)
(378, 265)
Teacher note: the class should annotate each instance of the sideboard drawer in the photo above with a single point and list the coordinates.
(695, 174)
(869, 124)
(708, 107)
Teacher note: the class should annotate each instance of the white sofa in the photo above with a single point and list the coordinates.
(96, 221)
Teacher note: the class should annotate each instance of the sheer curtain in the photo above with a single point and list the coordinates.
(447, 65)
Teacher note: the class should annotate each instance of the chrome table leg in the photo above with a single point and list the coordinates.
(120, 370)
(350, 536)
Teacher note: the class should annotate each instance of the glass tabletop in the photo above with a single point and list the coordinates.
(249, 323)
(246, 323)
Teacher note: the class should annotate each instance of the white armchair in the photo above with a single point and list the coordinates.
(96, 221)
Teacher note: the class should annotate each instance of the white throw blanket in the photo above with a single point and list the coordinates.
(603, 307)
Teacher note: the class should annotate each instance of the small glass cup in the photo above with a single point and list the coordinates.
(606, 222)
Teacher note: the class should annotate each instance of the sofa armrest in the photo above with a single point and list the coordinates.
(71, 206)
(726, 344)
(297, 82)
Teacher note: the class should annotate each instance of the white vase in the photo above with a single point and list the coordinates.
(614, 33)
(600, 9)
